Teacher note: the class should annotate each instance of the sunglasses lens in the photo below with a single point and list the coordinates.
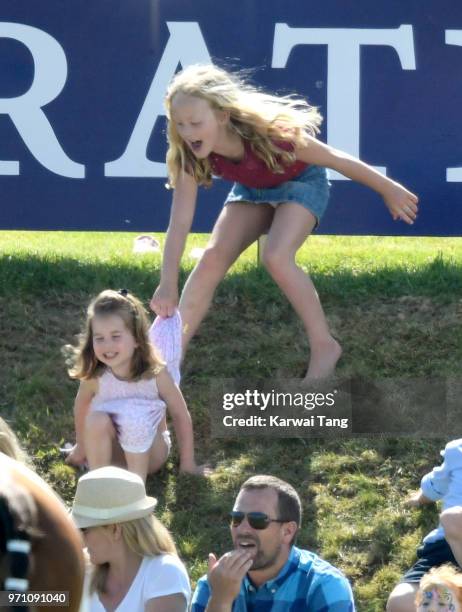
(236, 518)
(258, 520)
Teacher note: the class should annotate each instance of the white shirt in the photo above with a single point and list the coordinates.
(156, 577)
(445, 482)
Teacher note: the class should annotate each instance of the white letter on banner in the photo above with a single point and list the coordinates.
(50, 73)
(454, 37)
(185, 46)
(343, 72)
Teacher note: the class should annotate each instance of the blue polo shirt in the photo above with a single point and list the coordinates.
(305, 583)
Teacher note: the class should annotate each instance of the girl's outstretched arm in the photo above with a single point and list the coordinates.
(165, 298)
(401, 203)
(86, 392)
(182, 423)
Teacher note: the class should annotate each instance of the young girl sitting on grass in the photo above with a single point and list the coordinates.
(219, 125)
(125, 386)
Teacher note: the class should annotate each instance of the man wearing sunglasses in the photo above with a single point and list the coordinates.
(266, 572)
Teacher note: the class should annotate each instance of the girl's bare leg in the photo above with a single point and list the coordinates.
(160, 449)
(138, 463)
(291, 225)
(104, 448)
(99, 435)
(238, 225)
(451, 520)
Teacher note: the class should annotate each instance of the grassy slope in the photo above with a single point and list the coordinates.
(395, 304)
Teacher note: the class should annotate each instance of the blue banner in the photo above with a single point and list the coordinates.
(82, 129)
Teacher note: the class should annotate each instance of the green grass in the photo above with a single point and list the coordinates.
(394, 303)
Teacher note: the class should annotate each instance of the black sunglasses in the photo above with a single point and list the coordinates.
(257, 520)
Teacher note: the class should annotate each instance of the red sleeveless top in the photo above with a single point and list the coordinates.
(252, 171)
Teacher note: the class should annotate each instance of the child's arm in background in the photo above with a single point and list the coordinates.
(86, 392)
(165, 298)
(417, 499)
(401, 203)
(182, 422)
(435, 484)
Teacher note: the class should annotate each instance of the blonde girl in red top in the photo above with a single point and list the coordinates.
(217, 124)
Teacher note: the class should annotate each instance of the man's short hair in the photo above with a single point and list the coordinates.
(289, 505)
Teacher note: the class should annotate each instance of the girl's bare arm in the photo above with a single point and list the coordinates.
(181, 418)
(165, 298)
(417, 498)
(401, 203)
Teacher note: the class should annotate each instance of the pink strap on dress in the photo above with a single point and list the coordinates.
(165, 335)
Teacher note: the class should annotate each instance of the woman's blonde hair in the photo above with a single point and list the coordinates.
(260, 118)
(443, 577)
(146, 537)
(9, 443)
(145, 361)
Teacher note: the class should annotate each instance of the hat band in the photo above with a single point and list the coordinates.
(105, 513)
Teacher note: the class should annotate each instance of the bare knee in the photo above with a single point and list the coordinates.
(402, 598)
(451, 520)
(276, 261)
(99, 425)
(213, 263)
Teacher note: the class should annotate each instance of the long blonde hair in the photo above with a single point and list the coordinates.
(9, 444)
(258, 117)
(146, 537)
(146, 363)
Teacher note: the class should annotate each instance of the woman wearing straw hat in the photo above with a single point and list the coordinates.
(135, 564)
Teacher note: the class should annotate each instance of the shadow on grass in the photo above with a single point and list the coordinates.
(35, 276)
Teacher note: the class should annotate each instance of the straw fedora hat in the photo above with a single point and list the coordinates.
(110, 495)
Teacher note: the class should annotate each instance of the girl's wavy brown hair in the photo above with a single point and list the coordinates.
(146, 363)
(258, 117)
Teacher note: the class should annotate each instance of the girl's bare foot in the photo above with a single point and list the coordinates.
(323, 360)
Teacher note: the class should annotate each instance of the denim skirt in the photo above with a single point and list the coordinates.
(310, 189)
